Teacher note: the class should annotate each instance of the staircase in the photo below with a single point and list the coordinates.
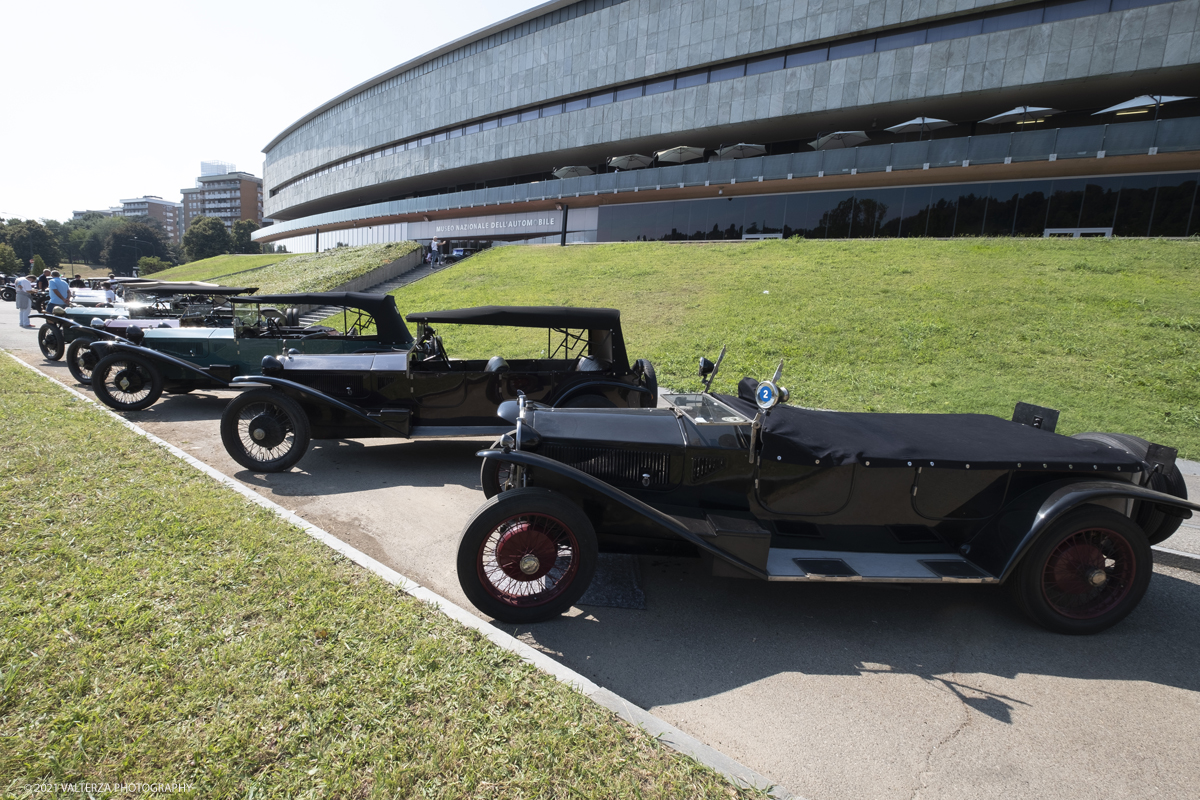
(415, 274)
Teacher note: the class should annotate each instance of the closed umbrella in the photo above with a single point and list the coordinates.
(631, 161)
(1021, 114)
(839, 139)
(741, 150)
(920, 125)
(1145, 101)
(572, 172)
(679, 155)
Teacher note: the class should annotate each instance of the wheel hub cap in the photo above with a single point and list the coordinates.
(1097, 577)
(266, 431)
(526, 552)
(128, 380)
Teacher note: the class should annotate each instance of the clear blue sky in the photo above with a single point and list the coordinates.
(106, 101)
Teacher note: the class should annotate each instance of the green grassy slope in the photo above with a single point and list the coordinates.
(218, 267)
(1104, 330)
(159, 628)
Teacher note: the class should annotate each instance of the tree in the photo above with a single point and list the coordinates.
(148, 265)
(9, 263)
(207, 237)
(132, 240)
(39, 266)
(242, 243)
(30, 238)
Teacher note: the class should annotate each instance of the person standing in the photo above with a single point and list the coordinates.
(60, 293)
(24, 287)
(43, 281)
(433, 246)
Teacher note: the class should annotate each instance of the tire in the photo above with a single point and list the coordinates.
(51, 341)
(9, 294)
(265, 431)
(493, 474)
(126, 382)
(291, 317)
(588, 401)
(1054, 583)
(1157, 525)
(647, 379)
(81, 360)
(534, 524)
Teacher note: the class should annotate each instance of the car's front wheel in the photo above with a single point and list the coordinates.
(1086, 573)
(496, 476)
(81, 360)
(526, 555)
(9, 294)
(126, 382)
(265, 431)
(51, 342)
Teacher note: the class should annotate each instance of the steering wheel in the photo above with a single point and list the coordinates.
(273, 325)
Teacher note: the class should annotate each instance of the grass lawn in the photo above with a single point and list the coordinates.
(273, 274)
(1106, 331)
(158, 628)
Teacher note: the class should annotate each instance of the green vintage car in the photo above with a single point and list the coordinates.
(132, 375)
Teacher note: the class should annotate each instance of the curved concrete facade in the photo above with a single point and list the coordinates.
(533, 59)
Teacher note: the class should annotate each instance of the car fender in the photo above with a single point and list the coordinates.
(310, 395)
(78, 327)
(104, 348)
(599, 487)
(593, 387)
(1028, 517)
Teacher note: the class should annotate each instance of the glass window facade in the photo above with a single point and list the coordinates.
(1138, 205)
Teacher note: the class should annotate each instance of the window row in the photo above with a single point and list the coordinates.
(988, 22)
(1136, 205)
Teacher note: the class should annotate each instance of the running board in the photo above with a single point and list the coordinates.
(449, 431)
(827, 566)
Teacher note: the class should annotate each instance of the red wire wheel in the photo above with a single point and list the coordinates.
(1086, 573)
(526, 555)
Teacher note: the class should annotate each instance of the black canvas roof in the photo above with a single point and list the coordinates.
(382, 307)
(525, 317)
(184, 287)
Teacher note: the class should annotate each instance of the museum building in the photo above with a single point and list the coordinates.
(506, 135)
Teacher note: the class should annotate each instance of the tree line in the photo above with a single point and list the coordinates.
(118, 243)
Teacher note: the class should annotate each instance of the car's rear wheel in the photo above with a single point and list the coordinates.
(9, 294)
(1086, 573)
(644, 371)
(496, 476)
(81, 360)
(527, 555)
(51, 342)
(265, 430)
(1157, 525)
(126, 382)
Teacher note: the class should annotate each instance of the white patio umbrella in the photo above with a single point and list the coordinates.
(1021, 114)
(839, 139)
(1145, 101)
(741, 150)
(572, 172)
(631, 161)
(920, 125)
(679, 155)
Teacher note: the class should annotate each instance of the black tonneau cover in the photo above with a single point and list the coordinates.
(525, 317)
(805, 436)
(185, 287)
(381, 307)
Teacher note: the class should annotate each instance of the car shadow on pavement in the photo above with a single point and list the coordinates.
(705, 636)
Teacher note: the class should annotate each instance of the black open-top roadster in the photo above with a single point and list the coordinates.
(793, 494)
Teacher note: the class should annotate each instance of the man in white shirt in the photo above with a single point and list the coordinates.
(24, 287)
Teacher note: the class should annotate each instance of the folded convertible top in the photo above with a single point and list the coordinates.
(832, 438)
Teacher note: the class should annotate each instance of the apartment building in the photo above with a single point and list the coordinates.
(228, 197)
(166, 212)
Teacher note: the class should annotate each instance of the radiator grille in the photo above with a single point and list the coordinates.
(618, 467)
(706, 465)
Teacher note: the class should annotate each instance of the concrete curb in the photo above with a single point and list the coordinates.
(663, 731)
(1176, 558)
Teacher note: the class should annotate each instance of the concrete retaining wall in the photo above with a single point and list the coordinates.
(377, 276)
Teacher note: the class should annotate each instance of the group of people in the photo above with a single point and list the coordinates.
(58, 289)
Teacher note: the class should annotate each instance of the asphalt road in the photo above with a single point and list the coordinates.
(835, 691)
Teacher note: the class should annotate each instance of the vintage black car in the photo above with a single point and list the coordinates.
(793, 494)
(419, 391)
(145, 304)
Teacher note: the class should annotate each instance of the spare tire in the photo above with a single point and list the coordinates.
(1158, 524)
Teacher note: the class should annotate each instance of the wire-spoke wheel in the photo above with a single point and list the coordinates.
(51, 341)
(497, 476)
(527, 555)
(81, 360)
(265, 430)
(1086, 573)
(126, 382)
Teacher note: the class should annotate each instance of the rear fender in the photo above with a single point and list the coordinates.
(599, 488)
(102, 349)
(310, 395)
(1025, 520)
